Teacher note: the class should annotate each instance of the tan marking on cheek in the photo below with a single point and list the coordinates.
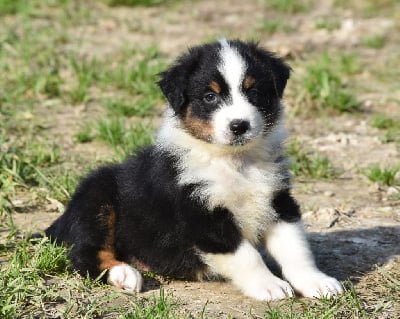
(215, 87)
(249, 82)
(197, 127)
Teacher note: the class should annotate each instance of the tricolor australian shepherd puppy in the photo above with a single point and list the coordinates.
(210, 192)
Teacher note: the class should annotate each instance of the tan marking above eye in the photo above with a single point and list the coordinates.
(249, 81)
(215, 87)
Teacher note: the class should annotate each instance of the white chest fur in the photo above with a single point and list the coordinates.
(242, 181)
(244, 184)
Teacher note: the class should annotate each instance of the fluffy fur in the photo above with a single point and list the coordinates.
(213, 187)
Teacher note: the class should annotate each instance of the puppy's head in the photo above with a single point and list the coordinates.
(227, 92)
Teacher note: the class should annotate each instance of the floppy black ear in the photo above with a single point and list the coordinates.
(279, 69)
(281, 73)
(174, 81)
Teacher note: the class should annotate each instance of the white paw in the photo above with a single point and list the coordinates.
(125, 277)
(268, 289)
(317, 285)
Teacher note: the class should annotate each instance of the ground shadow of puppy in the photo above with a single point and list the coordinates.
(348, 254)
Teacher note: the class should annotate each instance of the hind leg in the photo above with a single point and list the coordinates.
(94, 258)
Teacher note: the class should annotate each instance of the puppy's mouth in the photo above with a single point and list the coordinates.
(240, 141)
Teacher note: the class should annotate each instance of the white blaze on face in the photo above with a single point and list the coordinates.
(233, 68)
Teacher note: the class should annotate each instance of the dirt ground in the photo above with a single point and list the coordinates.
(353, 224)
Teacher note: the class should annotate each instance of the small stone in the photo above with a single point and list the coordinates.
(397, 176)
(18, 203)
(391, 191)
(368, 103)
(344, 140)
(329, 194)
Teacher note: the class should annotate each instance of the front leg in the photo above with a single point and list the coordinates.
(287, 243)
(249, 273)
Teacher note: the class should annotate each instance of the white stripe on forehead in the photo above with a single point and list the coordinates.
(232, 65)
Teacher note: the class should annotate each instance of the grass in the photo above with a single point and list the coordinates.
(390, 125)
(122, 107)
(13, 6)
(22, 283)
(307, 165)
(273, 26)
(384, 176)
(290, 6)
(132, 3)
(369, 8)
(36, 283)
(384, 122)
(322, 87)
(328, 23)
(124, 138)
(375, 42)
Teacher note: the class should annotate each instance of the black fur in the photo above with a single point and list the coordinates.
(286, 206)
(158, 222)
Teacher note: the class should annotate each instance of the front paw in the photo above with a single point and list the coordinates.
(268, 289)
(317, 285)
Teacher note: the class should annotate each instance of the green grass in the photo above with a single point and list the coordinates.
(323, 87)
(84, 135)
(328, 23)
(382, 121)
(123, 107)
(307, 165)
(132, 3)
(273, 26)
(390, 125)
(375, 42)
(36, 282)
(369, 8)
(347, 305)
(22, 277)
(86, 73)
(13, 6)
(385, 176)
(123, 137)
(290, 6)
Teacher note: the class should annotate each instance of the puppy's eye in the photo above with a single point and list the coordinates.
(253, 93)
(210, 98)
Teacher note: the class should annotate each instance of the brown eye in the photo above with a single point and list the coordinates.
(210, 98)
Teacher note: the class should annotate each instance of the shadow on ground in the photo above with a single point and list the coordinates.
(348, 254)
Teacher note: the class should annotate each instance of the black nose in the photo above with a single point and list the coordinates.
(239, 127)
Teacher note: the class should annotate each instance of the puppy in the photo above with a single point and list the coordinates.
(213, 187)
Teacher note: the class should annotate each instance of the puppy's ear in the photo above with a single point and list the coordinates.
(281, 73)
(174, 81)
(279, 69)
